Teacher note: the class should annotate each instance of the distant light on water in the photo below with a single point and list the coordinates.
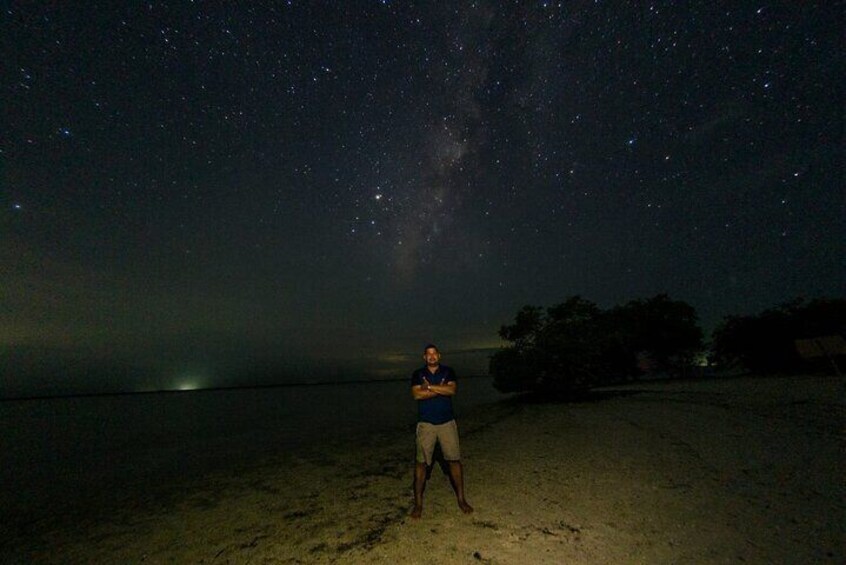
(188, 382)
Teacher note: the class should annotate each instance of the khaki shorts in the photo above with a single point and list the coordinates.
(445, 434)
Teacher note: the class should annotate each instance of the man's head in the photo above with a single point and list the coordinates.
(431, 355)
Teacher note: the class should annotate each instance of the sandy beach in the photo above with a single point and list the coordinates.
(741, 469)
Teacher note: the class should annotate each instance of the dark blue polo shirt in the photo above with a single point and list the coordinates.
(437, 410)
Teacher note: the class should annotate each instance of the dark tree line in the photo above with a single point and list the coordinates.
(766, 343)
(576, 345)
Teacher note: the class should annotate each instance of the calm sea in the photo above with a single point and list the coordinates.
(65, 451)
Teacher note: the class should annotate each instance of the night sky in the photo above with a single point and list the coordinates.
(280, 190)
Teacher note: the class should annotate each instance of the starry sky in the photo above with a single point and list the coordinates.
(199, 190)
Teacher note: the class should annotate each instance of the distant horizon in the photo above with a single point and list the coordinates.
(223, 388)
(32, 372)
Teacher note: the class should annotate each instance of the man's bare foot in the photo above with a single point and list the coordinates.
(466, 508)
(417, 512)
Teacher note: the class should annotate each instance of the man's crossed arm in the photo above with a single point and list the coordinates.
(426, 390)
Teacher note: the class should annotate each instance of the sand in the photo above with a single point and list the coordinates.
(743, 469)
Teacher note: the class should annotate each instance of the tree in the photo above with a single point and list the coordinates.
(575, 345)
(553, 348)
(663, 329)
(765, 343)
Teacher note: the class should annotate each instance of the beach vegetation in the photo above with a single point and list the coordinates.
(766, 343)
(576, 345)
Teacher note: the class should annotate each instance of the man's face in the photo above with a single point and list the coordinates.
(432, 357)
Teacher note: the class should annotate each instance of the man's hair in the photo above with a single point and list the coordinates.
(430, 346)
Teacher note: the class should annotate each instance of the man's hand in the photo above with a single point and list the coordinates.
(446, 389)
(423, 391)
(426, 390)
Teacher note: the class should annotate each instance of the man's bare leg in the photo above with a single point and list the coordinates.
(419, 487)
(456, 474)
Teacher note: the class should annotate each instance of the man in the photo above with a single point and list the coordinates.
(433, 386)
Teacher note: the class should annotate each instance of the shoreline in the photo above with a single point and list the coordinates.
(169, 391)
(648, 472)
